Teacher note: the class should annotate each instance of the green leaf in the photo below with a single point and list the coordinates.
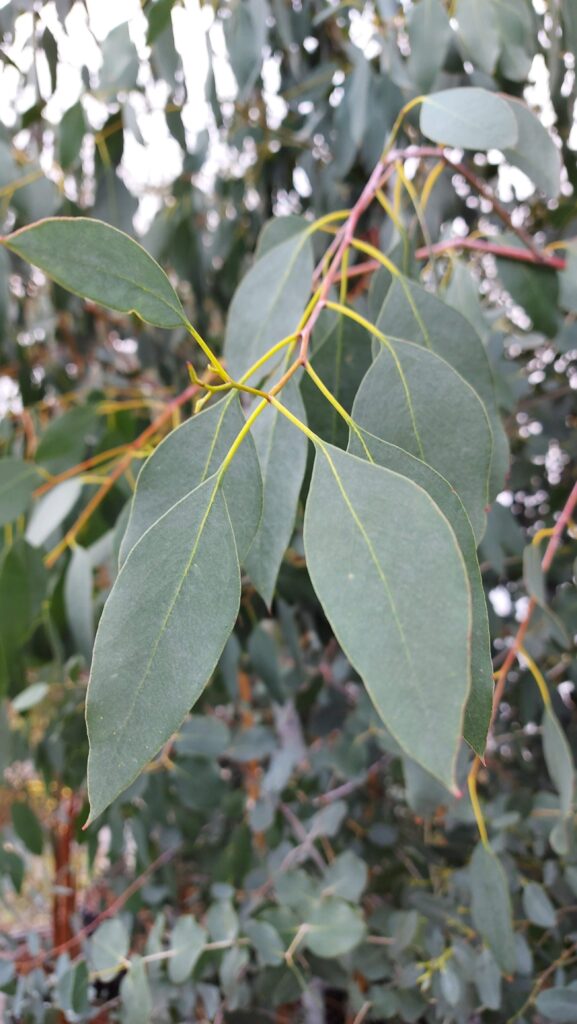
(491, 907)
(266, 941)
(468, 118)
(429, 34)
(78, 586)
(135, 994)
(72, 989)
(23, 583)
(488, 980)
(245, 34)
(414, 399)
(518, 38)
(51, 511)
(396, 594)
(158, 19)
(186, 945)
(335, 928)
(269, 301)
(534, 288)
(559, 761)
(535, 583)
(568, 282)
(109, 947)
(478, 34)
(282, 451)
(27, 828)
(18, 480)
(534, 153)
(64, 441)
(538, 906)
(558, 1004)
(187, 457)
(411, 313)
(203, 736)
(341, 360)
(346, 877)
(71, 133)
(479, 704)
(30, 697)
(120, 63)
(98, 262)
(161, 634)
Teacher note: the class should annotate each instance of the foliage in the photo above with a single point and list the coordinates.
(344, 350)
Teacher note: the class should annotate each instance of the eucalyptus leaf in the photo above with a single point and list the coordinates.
(491, 907)
(184, 459)
(468, 118)
(161, 634)
(479, 704)
(101, 263)
(282, 452)
(398, 602)
(269, 301)
(18, 480)
(186, 945)
(452, 433)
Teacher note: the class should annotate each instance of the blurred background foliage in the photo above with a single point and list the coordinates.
(280, 861)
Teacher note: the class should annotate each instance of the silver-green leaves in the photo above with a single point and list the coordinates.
(186, 457)
(387, 568)
(491, 907)
(162, 631)
(269, 301)
(99, 262)
(470, 118)
(414, 399)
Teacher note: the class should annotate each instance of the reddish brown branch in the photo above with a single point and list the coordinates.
(506, 252)
(30, 964)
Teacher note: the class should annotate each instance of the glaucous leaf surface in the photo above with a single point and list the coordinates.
(468, 118)
(282, 453)
(98, 262)
(450, 431)
(412, 313)
(334, 928)
(187, 457)
(162, 631)
(395, 591)
(491, 907)
(478, 708)
(534, 152)
(269, 301)
(187, 943)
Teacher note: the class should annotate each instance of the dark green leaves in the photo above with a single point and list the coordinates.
(469, 118)
(395, 591)
(189, 455)
(99, 262)
(269, 301)
(18, 479)
(491, 907)
(162, 631)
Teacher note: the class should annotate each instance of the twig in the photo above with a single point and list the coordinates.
(118, 470)
(507, 252)
(113, 908)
